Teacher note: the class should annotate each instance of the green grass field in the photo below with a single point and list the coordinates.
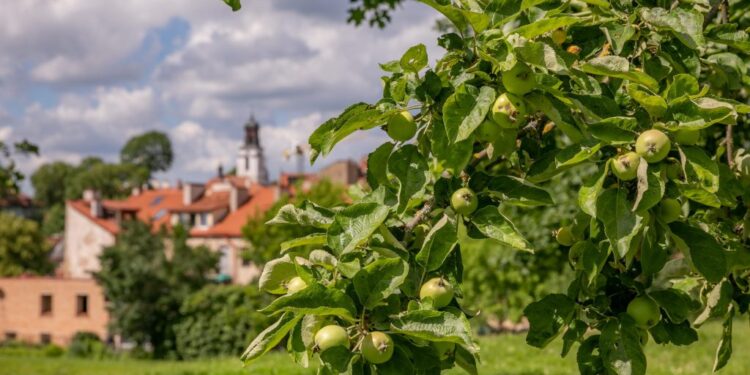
(501, 355)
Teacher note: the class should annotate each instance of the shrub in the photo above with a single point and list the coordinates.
(87, 345)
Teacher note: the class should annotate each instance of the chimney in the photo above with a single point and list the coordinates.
(96, 208)
(136, 191)
(191, 192)
(90, 195)
(237, 197)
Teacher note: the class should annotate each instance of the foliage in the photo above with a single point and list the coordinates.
(579, 83)
(151, 150)
(218, 320)
(375, 12)
(108, 179)
(10, 176)
(145, 286)
(49, 182)
(22, 247)
(265, 240)
(87, 345)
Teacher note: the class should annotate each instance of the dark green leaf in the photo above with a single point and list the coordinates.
(620, 347)
(379, 279)
(717, 302)
(415, 58)
(410, 169)
(434, 325)
(724, 351)
(547, 317)
(308, 214)
(315, 299)
(270, 337)
(465, 110)
(705, 253)
(615, 130)
(491, 223)
(354, 224)
(620, 223)
(377, 165)
(519, 192)
(438, 244)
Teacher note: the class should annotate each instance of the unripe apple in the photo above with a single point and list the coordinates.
(444, 349)
(401, 126)
(565, 237)
(330, 336)
(439, 290)
(377, 347)
(625, 166)
(644, 311)
(653, 145)
(559, 36)
(670, 210)
(295, 284)
(464, 201)
(519, 79)
(488, 131)
(674, 171)
(507, 109)
(687, 137)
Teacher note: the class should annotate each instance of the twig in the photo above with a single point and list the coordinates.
(730, 146)
(424, 211)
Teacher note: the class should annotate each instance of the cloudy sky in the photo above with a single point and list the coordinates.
(78, 77)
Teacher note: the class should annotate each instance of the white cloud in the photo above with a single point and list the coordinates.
(5, 133)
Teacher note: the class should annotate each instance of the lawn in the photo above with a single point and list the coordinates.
(501, 355)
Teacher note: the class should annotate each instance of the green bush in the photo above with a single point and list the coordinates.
(53, 351)
(220, 320)
(87, 345)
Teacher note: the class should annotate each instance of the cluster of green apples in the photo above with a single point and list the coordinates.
(377, 347)
(646, 314)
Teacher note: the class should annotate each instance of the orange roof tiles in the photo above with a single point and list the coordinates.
(261, 199)
(208, 202)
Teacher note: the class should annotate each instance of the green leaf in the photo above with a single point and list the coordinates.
(466, 360)
(686, 25)
(311, 239)
(542, 55)
(336, 360)
(451, 156)
(415, 58)
(308, 214)
(234, 4)
(377, 165)
(295, 345)
(354, 224)
(592, 258)
(465, 110)
(315, 299)
(729, 35)
(438, 244)
(655, 105)
(705, 253)
(620, 223)
(618, 67)
(519, 192)
(701, 169)
(557, 111)
(450, 12)
(270, 337)
(724, 351)
(650, 188)
(678, 334)
(491, 223)
(547, 317)
(589, 192)
(557, 161)
(431, 325)
(675, 302)
(682, 85)
(654, 253)
(700, 113)
(275, 273)
(620, 347)
(379, 279)
(360, 116)
(717, 302)
(545, 25)
(410, 169)
(615, 130)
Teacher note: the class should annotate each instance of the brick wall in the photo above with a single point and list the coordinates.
(21, 309)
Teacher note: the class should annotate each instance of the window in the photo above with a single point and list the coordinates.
(156, 201)
(82, 304)
(46, 304)
(160, 214)
(203, 219)
(10, 335)
(45, 338)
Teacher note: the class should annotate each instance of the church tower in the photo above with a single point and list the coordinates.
(250, 161)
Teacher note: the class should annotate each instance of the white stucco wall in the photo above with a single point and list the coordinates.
(241, 274)
(84, 241)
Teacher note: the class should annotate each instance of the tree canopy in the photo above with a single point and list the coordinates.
(22, 247)
(151, 150)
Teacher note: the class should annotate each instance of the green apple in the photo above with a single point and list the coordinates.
(625, 166)
(377, 347)
(330, 336)
(401, 126)
(295, 284)
(670, 210)
(674, 170)
(687, 137)
(565, 237)
(464, 201)
(559, 36)
(444, 349)
(439, 290)
(488, 131)
(653, 145)
(644, 311)
(507, 109)
(519, 80)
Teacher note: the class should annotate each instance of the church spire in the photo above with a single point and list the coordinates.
(251, 163)
(251, 132)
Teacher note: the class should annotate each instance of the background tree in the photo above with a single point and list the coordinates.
(22, 247)
(110, 180)
(49, 182)
(219, 320)
(145, 285)
(10, 176)
(151, 150)
(265, 240)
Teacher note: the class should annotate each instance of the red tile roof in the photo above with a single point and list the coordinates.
(261, 199)
(208, 202)
(84, 208)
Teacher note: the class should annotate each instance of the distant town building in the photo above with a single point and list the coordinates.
(250, 161)
(20, 205)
